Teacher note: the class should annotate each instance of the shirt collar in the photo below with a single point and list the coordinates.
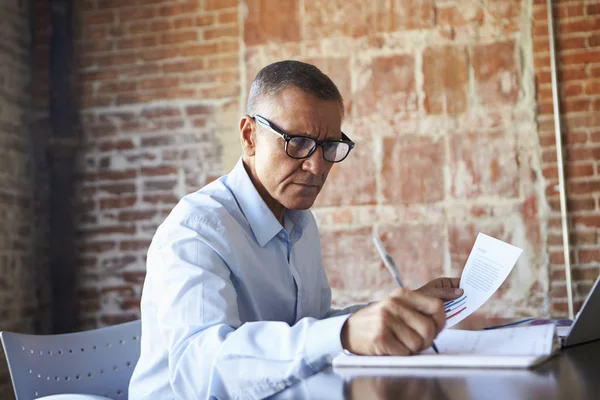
(262, 221)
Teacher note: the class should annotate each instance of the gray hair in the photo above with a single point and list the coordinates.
(280, 75)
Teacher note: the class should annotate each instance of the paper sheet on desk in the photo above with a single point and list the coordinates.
(488, 265)
(520, 347)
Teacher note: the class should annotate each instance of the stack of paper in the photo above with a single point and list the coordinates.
(521, 347)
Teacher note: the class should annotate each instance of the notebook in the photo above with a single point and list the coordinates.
(518, 347)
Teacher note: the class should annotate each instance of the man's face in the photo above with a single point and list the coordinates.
(280, 179)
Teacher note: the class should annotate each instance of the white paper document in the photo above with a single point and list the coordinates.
(519, 347)
(488, 265)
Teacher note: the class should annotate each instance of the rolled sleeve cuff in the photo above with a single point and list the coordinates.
(324, 341)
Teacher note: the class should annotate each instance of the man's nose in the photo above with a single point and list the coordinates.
(316, 164)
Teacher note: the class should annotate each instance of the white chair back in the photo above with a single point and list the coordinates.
(96, 362)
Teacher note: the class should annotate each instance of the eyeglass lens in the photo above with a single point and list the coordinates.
(300, 147)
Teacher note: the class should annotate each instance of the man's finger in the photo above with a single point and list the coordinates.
(426, 304)
(446, 293)
(425, 326)
(408, 309)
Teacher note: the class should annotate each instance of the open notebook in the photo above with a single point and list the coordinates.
(519, 347)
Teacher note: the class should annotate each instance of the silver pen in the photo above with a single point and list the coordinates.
(391, 266)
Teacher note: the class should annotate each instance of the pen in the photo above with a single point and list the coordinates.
(391, 266)
(509, 324)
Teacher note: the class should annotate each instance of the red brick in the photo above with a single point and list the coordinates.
(338, 70)
(413, 170)
(136, 14)
(104, 230)
(199, 50)
(212, 5)
(228, 17)
(163, 185)
(204, 20)
(572, 106)
(360, 18)
(579, 26)
(591, 221)
(496, 73)
(180, 8)
(136, 215)
(221, 32)
(116, 87)
(160, 199)
(457, 16)
(134, 276)
(117, 189)
(98, 247)
(592, 87)
(445, 80)
(184, 23)
(260, 27)
(583, 57)
(390, 87)
(574, 205)
(158, 83)
(419, 251)
(115, 60)
(137, 42)
(120, 202)
(575, 238)
(161, 25)
(356, 172)
(179, 37)
(413, 14)
(134, 245)
(584, 187)
(119, 262)
(113, 175)
(350, 265)
(483, 164)
(592, 9)
(159, 170)
(160, 112)
(138, 28)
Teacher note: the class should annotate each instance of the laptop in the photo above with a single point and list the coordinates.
(586, 326)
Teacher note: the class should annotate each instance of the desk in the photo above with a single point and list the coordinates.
(572, 375)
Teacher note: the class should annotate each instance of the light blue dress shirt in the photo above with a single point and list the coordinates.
(234, 306)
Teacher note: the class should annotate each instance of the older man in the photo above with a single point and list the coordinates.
(236, 303)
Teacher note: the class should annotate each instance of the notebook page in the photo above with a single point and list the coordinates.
(519, 347)
(528, 340)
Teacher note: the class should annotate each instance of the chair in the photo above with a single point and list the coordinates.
(92, 363)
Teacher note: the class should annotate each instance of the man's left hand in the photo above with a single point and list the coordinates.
(442, 288)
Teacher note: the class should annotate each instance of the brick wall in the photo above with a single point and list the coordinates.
(440, 100)
(578, 45)
(160, 88)
(445, 99)
(19, 262)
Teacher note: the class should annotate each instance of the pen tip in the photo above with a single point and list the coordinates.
(435, 348)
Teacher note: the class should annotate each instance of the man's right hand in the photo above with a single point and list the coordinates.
(405, 323)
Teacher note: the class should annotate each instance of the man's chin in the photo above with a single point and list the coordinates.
(300, 203)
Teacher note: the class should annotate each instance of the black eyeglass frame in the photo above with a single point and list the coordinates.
(287, 137)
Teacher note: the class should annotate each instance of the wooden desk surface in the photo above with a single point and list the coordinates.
(572, 375)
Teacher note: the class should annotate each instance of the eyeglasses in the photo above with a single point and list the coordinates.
(299, 147)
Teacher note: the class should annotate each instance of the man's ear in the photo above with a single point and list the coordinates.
(248, 135)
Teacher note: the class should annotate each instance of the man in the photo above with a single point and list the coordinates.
(236, 303)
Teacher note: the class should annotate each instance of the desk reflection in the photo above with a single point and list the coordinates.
(380, 384)
(571, 375)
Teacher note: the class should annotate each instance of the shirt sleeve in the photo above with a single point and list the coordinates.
(210, 352)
